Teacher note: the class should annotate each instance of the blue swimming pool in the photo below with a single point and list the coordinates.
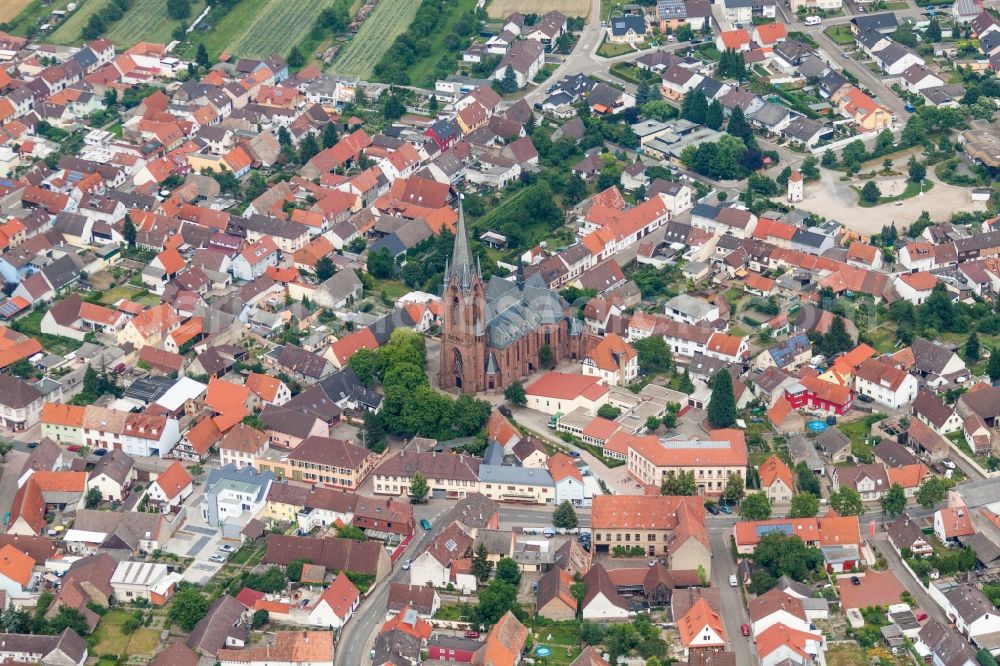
(817, 426)
(542, 651)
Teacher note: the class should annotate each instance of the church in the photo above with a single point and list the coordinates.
(493, 332)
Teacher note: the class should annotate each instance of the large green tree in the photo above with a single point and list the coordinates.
(847, 502)
(418, 488)
(188, 607)
(515, 395)
(894, 501)
(481, 564)
(654, 354)
(735, 488)
(755, 506)
(509, 571)
(804, 505)
(786, 555)
(722, 404)
(932, 491)
(564, 517)
(682, 483)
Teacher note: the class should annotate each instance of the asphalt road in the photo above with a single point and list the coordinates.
(924, 601)
(358, 636)
(734, 612)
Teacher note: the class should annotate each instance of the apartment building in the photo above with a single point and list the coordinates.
(650, 459)
(335, 463)
(448, 476)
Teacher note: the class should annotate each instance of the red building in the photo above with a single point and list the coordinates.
(383, 515)
(814, 393)
(452, 648)
(445, 133)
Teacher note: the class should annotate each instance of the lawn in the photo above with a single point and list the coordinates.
(708, 52)
(841, 34)
(609, 50)
(845, 654)
(858, 432)
(31, 324)
(147, 21)
(565, 641)
(138, 295)
(69, 31)
(108, 638)
(422, 71)
(626, 72)
(386, 22)
(9, 9)
(393, 289)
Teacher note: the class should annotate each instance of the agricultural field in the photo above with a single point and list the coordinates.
(9, 9)
(147, 21)
(68, 32)
(278, 27)
(386, 22)
(219, 36)
(504, 8)
(422, 71)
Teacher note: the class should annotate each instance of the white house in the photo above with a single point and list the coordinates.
(885, 384)
(255, 258)
(917, 256)
(602, 601)
(171, 487)
(111, 475)
(701, 628)
(16, 572)
(569, 481)
(777, 607)
(337, 605)
(915, 287)
(612, 360)
(781, 644)
(691, 310)
(232, 494)
(974, 614)
(561, 392)
(150, 581)
(434, 565)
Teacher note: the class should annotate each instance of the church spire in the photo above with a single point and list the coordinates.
(461, 257)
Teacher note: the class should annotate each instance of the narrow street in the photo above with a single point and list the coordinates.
(924, 601)
(734, 612)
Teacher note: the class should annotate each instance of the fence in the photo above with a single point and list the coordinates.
(837, 145)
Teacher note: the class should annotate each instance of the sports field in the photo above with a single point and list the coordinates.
(504, 8)
(386, 22)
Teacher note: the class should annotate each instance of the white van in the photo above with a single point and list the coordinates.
(813, 20)
(732, 581)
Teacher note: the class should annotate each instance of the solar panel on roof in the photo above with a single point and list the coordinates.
(450, 545)
(767, 529)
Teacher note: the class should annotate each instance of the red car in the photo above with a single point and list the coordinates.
(73, 449)
(472, 634)
(920, 616)
(745, 629)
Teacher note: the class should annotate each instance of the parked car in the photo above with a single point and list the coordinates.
(574, 454)
(215, 557)
(855, 580)
(226, 548)
(733, 582)
(74, 448)
(33, 445)
(726, 509)
(745, 629)
(406, 564)
(865, 398)
(472, 634)
(948, 463)
(426, 524)
(712, 508)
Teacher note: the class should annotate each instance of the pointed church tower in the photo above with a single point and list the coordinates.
(463, 342)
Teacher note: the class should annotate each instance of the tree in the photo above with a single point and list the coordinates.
(684, 384)
(755, 506)
(380, 264)
(804, 505)
(786, 555)
(695, 107)
(652, 423)
(722, 404)
(806, 480)
(761, 582)
(894, 502)
(5, 448)
(932, 491)
(971, 350)
(350, 532)
(515, 395)
(129, 231)
(735, 488)
(642, 94)
(837, 339)
(917, 171)
(495, 600)
(178, 9)
(374, 432)
(508, 83)
(308, 148)
(993, 366)
(329, 135)
(564, 517)
(418, 488)
(738, 125)
(870, 192)
(481, 565)
(847, 502)
(829, 159)
(654, 354)
(22, 368)
(679, 484)
(294, 568)
(187, 608)
(93, 498)
(546, 357)
(295, 58)
(260, 618)
(201, 57)
(713, 116)
(67, 618)
(325, 269)
(933, 32)
(591, 633)
(509, 571)
(284, 136)
(609, 412)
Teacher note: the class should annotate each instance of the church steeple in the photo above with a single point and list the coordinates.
(461, 267)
